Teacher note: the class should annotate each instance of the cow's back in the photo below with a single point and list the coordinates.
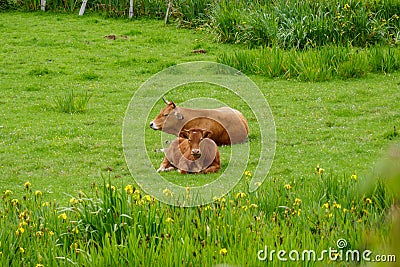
(228, 126)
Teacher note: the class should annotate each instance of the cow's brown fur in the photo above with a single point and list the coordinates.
(188, 155)
(228, 125)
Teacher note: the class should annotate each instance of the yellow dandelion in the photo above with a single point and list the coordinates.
(368, 200)
(354, 176)
(147, 198)
(62, 216)
(169, 220)
(330, 215)
(345, 210)
(21, 249)
(39, 265)
(298, 212)
(73, 201)
(75, 230)
(223, 251)
(27, 185)
(247, 173)
(38, 193)
(297, 201)
(346, 7)
(51, 233)
(326, 205)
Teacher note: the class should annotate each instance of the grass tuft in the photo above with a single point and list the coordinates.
(72, 103)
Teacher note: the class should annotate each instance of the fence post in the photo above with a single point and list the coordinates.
(43, 5)
(130, 9)
(168, 10)
(82, 10)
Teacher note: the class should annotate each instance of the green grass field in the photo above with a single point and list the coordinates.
(342, 126)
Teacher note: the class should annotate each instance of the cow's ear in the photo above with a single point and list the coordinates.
(184, 134)
(178, 115)
(207, 134)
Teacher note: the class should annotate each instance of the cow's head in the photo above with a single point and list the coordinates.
(170, 112)
(194, 137)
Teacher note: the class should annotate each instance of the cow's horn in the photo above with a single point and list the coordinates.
(166, 101)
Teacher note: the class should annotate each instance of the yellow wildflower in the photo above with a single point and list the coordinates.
(39, 234)
(51, 233)
(169, 220)
(345, 210)
(21, 249)
(368, 200)
(38, 193)
(346, 7)
(14, 202)
(354, 176)
(147, 198)
(241, 195)
(39, 265)
(223, 251)
(208, 207)
(337, 205)
(7, 193)
(326, 205)
(27, 185)
(45, 204)
(297, 201)
(62, 216)
(168, 192)
(75, 230)
(73, 201)
(247, 173)
(319, 170)
(129, 189)
(287, 186)
(253, 205)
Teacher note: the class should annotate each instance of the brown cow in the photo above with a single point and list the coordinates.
(228, 125)
(192, 152)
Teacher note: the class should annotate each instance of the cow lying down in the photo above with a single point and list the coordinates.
(192, 152)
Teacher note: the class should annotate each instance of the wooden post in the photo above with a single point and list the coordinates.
(84, 2)
(130, 9)
(43, 5)
(168, 10)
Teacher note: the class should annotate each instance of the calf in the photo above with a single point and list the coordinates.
(192, 152)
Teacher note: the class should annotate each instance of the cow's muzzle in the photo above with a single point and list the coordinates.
(196, 153)
(153, 126)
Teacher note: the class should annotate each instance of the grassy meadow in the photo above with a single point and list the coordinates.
(69, 199)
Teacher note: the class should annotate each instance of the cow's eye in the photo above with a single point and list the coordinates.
(190, 140)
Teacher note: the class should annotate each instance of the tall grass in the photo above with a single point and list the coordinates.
(283, 23)
(304, 24)
(319, 64)
(116, 225)
(72, 102)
